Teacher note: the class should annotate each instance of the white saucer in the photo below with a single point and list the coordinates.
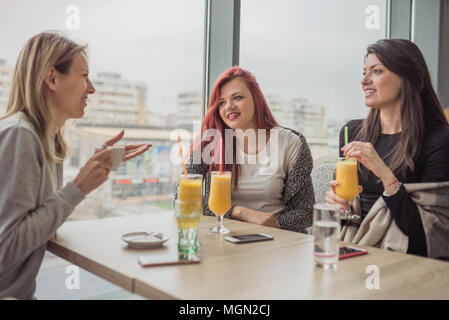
(144, 240)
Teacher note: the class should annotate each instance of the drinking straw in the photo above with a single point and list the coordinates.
(346, 135)
(346, 138)
(221, 155)
(182, 158)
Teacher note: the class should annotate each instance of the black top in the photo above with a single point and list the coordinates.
(432, 165)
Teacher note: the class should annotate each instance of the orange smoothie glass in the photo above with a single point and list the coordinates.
(348, 183)
(190, 190)
(220, 198)
(189, 211)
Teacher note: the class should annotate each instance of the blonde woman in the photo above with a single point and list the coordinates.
(50, 85)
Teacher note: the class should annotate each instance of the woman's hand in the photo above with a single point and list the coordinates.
(131, 151)
(256, 217)
(365, 153)
(332, 198)
(94, 172)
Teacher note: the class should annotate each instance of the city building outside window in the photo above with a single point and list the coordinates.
(146, 63)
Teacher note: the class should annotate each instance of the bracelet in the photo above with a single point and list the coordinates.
(395, 180)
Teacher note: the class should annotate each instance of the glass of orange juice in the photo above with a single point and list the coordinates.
(191, 188)
(220, 198)
(348, 183)
(189, 211)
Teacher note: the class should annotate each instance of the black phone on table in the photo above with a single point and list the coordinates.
(245, 238)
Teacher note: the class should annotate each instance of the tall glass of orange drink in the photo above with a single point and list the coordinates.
(348, 183)
(220, 198)
(189, 211)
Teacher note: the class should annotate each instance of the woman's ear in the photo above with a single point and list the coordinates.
(50, 79)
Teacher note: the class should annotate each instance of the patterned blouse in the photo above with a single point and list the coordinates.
(298, 195)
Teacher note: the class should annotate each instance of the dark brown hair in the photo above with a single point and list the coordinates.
(420, 107)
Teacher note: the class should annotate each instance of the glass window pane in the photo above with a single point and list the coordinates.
(146, 62)
(308, 58)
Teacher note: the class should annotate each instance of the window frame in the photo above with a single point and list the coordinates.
(422, 21)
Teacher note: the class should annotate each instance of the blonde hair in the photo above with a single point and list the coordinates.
(28, 91)
(446, 112)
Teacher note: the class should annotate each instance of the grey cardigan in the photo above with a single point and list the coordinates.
(32, 205)
(298, 192)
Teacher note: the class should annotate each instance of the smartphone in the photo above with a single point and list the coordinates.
(244, 238)
(348, 252)
(155, 261)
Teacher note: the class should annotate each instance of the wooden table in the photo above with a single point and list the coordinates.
(278, 269)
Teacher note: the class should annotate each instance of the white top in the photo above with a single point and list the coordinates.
(262, 177)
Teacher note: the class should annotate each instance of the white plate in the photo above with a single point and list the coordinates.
(143, 239)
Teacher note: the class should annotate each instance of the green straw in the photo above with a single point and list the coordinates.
(346, 135)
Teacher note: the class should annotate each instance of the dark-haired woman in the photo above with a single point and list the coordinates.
(275, 191)
(404, 139)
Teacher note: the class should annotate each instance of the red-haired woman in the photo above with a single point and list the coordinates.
(271, 180)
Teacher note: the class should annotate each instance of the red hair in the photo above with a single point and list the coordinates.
(212, 120)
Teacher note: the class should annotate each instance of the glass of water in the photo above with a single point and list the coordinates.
(326, 229)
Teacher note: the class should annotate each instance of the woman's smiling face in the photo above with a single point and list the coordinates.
(382, 87)
(236, 105)
(72, 90)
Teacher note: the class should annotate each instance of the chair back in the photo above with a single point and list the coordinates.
(322, 173)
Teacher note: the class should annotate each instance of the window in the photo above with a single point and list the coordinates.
(146, 63)
(308, 58)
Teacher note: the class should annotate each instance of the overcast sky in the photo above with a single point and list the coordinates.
(296, 48)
